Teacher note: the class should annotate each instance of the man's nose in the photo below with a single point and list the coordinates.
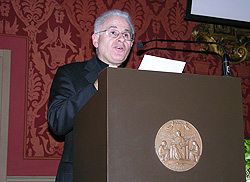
(121, 38)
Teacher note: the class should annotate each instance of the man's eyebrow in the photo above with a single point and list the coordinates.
(126, 30)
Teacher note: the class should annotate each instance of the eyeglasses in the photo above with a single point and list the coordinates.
(113, 33)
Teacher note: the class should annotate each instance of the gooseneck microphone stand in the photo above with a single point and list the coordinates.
(225, 65)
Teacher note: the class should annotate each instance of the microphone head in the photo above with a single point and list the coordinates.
(140, 45)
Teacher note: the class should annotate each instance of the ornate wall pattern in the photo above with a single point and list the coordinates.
(59, 32)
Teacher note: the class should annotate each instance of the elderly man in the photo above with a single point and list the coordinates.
(74, 84)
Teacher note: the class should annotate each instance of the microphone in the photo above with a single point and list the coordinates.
(225, 65)
(141, 44)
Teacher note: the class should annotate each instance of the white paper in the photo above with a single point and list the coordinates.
(153, 63)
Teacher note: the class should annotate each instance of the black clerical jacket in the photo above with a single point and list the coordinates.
(72, 87)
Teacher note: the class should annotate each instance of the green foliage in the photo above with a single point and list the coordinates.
(247, 158)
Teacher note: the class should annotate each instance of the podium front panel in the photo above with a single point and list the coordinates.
(138, 103)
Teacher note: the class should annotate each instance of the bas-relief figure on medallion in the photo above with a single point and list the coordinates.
(178, 145)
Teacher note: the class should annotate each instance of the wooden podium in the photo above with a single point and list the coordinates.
(115, 132)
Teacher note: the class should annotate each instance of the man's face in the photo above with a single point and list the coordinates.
(113, 51)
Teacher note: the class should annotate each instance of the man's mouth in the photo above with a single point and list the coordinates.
(119, 47)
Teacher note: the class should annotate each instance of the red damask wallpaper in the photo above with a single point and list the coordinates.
(59, 32)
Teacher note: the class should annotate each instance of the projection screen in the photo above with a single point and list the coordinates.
(226, 12)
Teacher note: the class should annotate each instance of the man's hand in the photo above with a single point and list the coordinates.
(96, 84)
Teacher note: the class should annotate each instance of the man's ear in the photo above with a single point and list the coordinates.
(132, 43)
(95, 38)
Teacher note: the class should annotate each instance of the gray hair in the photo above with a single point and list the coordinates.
(100, 20)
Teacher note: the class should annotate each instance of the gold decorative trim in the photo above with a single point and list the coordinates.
(236, 41)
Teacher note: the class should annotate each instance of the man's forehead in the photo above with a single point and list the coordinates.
(116, 22)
